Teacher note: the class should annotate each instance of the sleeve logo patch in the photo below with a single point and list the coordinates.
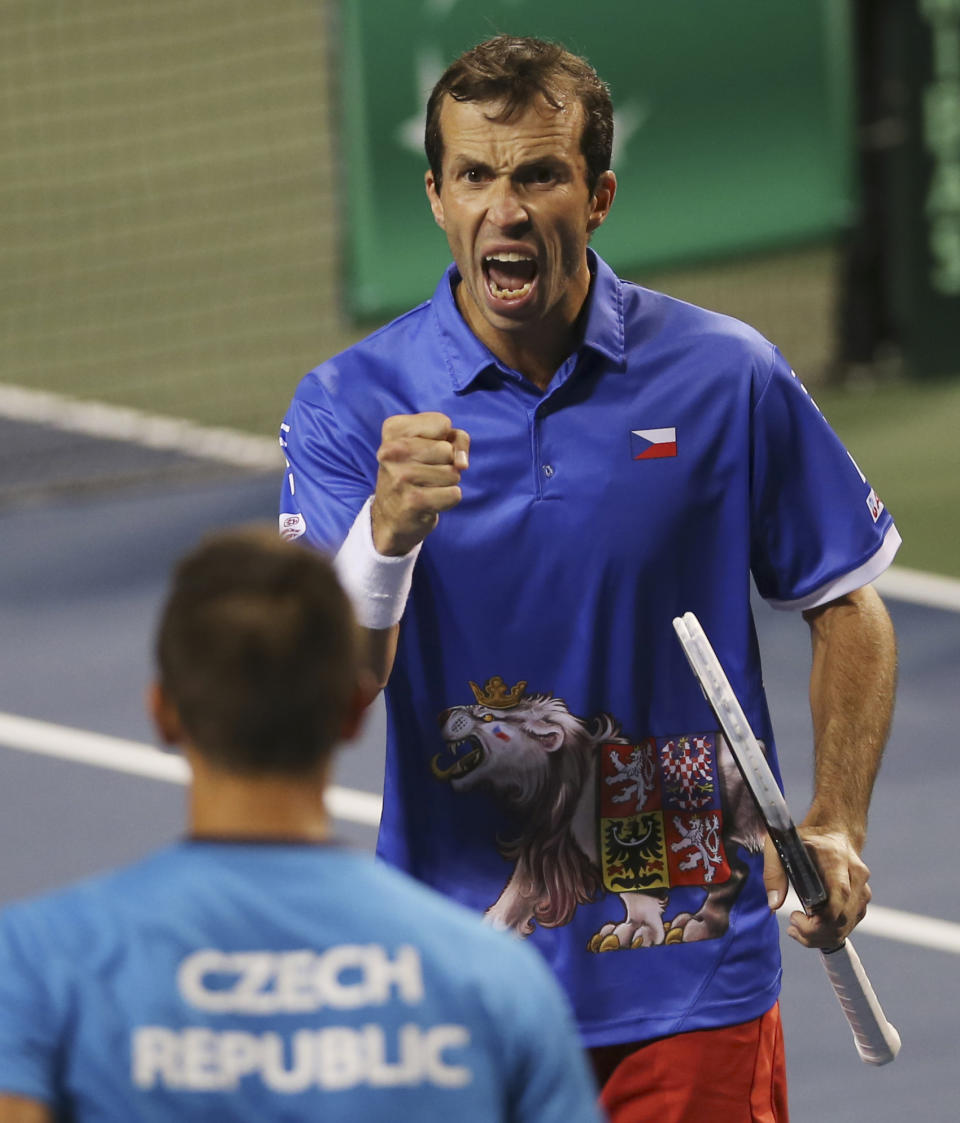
(874, 505)
(292, 526)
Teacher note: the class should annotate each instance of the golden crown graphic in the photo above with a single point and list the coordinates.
(496, 695)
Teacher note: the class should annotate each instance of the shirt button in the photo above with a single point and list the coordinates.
(548, 470)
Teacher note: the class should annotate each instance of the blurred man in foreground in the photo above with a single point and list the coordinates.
(256, 970)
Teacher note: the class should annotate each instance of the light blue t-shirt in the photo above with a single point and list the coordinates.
(239, 981)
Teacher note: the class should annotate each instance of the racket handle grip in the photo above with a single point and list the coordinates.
(876, 1039)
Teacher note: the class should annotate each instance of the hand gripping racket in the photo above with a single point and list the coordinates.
(876, 1039)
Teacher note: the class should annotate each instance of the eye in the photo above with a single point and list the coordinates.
(475, 175)
(541, 175)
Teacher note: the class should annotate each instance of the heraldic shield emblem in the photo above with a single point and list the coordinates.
(661, 819)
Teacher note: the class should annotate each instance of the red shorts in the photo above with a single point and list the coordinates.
(732, 1075)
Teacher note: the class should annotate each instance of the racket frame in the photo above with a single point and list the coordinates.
(877, 1041)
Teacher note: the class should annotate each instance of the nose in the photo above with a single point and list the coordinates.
(506, 209)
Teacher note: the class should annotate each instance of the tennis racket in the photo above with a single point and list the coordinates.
(876, 1039)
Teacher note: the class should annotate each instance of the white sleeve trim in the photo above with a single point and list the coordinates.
(847, 582)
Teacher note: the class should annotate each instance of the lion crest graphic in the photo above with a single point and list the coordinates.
(602, 816)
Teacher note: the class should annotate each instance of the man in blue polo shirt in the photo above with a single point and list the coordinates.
(537, 470)
(256, 971)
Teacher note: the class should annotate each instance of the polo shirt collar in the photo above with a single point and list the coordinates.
(604, 330)
(466, 357)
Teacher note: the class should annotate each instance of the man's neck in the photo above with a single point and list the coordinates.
(536, 350)
(536, 360)
(230, 805)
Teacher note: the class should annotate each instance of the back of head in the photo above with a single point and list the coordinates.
(258, 651)
(515, 72)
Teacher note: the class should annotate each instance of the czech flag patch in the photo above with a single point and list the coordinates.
(653, 444)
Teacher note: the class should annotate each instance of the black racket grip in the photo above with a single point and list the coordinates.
(802, 873)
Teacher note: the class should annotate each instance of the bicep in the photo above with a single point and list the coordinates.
(858, 622)
(327, 478)
(818, 528)
(854, 670)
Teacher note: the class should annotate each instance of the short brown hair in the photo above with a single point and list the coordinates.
(258, 650)
(514, 72)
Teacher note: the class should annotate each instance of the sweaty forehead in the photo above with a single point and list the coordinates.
(535, 132)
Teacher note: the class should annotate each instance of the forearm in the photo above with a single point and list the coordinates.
(852, 684)
(377, 586)
(421, 457)
(20, 1109)
(381, 649)
(851, 698)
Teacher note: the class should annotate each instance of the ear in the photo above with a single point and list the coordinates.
(364, 693)
(433, 195)
(549, 735)
(602, 200)
(164, 714)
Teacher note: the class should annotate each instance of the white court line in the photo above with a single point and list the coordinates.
(96, 419)
(918, 587)
(895, 924)
(77, 745)
(231, 446)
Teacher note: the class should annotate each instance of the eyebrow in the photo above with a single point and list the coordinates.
(464, 160)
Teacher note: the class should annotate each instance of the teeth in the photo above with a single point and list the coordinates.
(509, 294)
(508, 257)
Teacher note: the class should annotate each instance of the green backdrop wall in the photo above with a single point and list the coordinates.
(733, 126)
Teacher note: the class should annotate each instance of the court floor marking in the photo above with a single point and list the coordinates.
(137, 759)
(153, 430)
(246, 450)
(349, 804)
(896, 924)
(918, 587)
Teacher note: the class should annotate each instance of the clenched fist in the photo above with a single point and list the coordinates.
(421, 457)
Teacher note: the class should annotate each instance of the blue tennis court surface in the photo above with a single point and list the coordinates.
(83, 566)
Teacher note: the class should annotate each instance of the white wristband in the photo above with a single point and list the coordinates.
(377, 585)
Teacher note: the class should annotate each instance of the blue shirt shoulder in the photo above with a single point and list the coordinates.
(252, 981)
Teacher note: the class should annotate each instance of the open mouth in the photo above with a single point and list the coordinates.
(471, 759)
(509, 276)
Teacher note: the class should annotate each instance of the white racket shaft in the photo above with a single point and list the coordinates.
(876, 1039)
